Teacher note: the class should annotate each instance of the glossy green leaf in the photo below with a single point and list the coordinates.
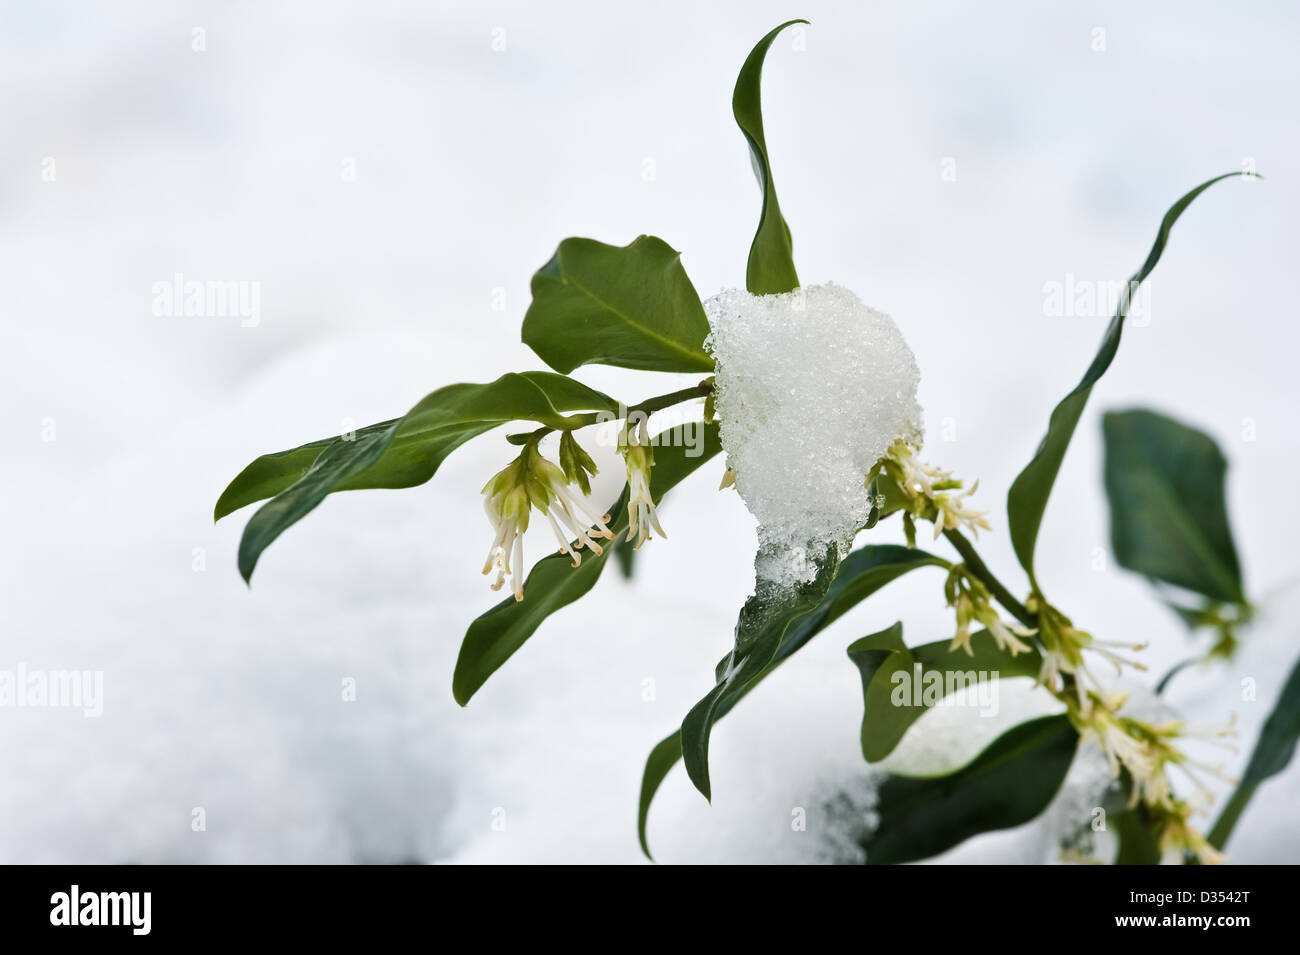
(270, 474)
(762, 623)
(1027, 499)
(399, 453)
(1008, 784)
(1272, 754)
(554, 583)
(895, 678)
(771, 260)
(1168, 510)
(632, 306)
(861, 574)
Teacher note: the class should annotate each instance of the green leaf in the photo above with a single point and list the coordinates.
(861, 574)
(894, 680)
(1008, 784)
(1138, 835)
(759, 629)
(632, 306)
(399, 453)
(1273, 751)
(625, 557)
(554, 583)
(1168, 512)
(1027, 499)
(270, 474)
(771, 260)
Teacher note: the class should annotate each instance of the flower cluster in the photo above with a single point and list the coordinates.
(1063, 649)
(930, 494)
(530, 481)
(973, 604)
(1147, 751)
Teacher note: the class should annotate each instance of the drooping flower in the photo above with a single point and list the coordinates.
(638, 454)
(934, 494)
(972, 603)
(1063, 648)
(530, 481)
(1147, 750)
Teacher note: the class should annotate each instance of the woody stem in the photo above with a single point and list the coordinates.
(647, 407)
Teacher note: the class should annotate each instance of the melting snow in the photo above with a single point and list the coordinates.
(812, 389)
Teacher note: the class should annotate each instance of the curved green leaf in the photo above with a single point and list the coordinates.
(270, 474)
(1008, 784)
(771, 260)
(1168, 513)
(400, 453)
(1272, 754)
(889, 705)
(554, 583)
(762, 623)
(632, 306)
(861, 573)
(1027, 499)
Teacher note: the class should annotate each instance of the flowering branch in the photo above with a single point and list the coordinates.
(644, 409)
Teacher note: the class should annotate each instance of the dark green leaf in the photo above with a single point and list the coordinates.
(1138, 835)
(759, 629)
(1008, 784)
(1273, 751)
(771, 261)
(1027, 499)
(631, 306)
(270, 474)
(625, 555)
(399, 453)
(1168, 512)
(863, 572)
(554, 583)
(890, 671)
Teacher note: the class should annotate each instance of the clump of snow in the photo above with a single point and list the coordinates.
(812, 388)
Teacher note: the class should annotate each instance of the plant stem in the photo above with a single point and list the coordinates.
(977, 567)
(647, 407)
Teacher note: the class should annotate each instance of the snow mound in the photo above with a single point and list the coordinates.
(812, 388)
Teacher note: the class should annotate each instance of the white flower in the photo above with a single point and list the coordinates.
(1004, 633)
(1063, 648)
(971, 600)
(527, 482)
(507, 508)
(930, 486)
(1146, 750)
(641, 513)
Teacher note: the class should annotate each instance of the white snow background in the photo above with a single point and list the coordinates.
(471, 164)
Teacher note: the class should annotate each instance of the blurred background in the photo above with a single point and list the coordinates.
(391, 175)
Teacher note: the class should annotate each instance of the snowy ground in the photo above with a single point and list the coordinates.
(470, 164)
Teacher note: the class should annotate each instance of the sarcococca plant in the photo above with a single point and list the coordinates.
(820, 460)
